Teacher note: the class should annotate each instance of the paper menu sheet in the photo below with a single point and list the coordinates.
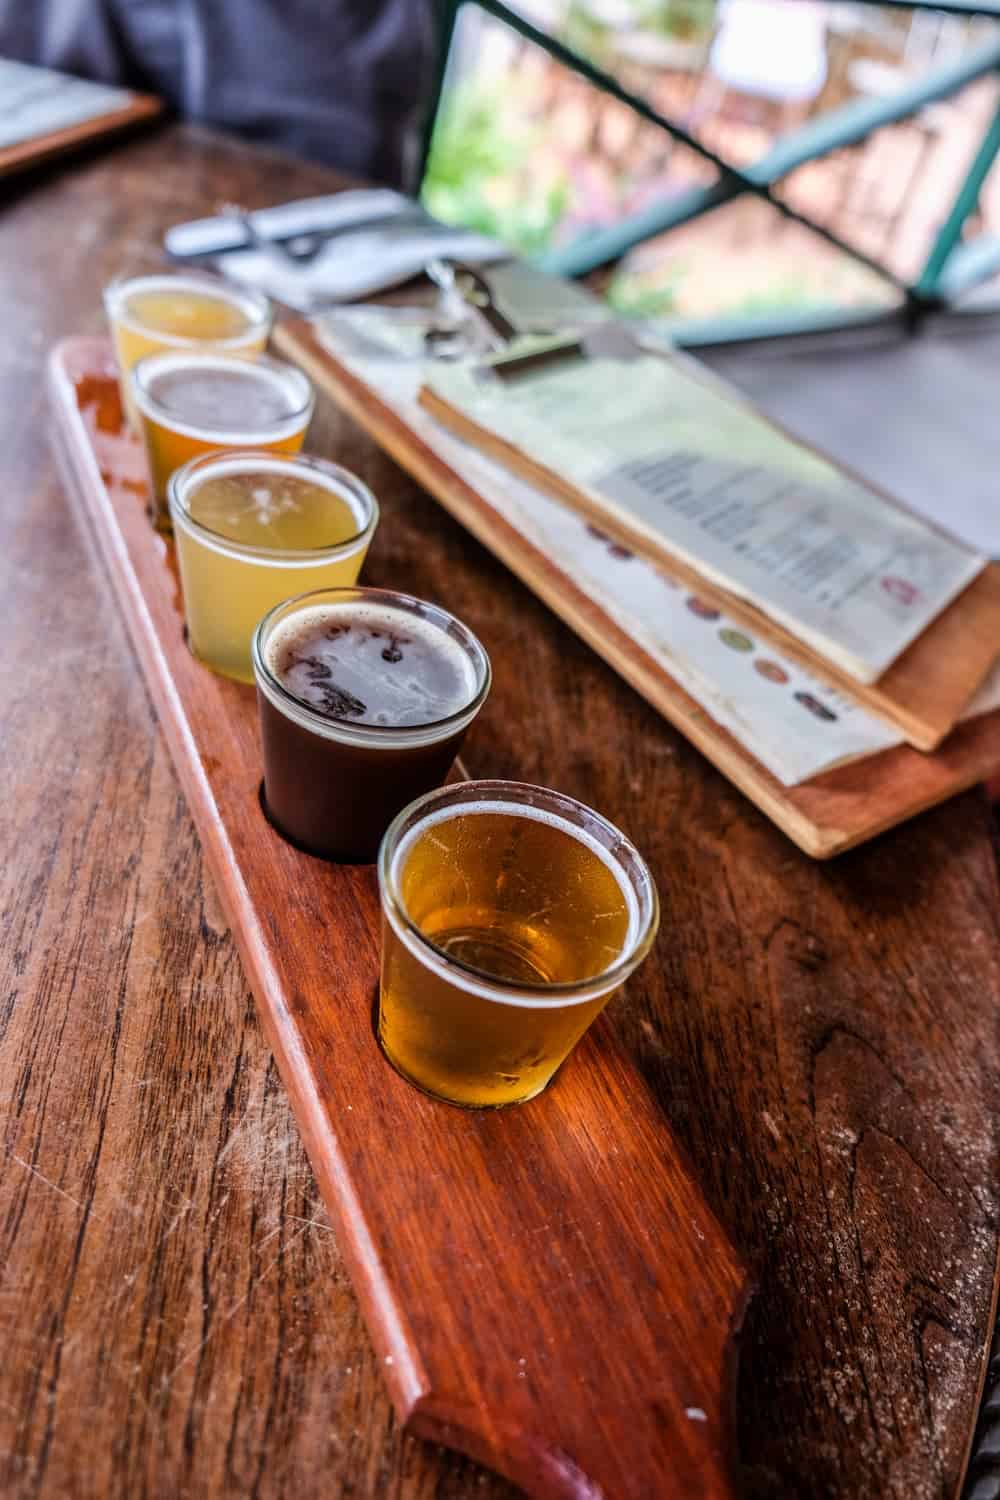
(706, 479)
(36, 102)
(793, 724)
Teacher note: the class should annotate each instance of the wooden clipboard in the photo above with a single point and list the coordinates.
(825, 816)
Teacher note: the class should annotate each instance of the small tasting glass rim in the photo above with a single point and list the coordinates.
(296, 420)
(182, 482)
(642, 898)
(347, 731)
(258, 308)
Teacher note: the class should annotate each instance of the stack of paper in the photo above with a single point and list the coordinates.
(689, 474)
(720, 492)
(36, 102)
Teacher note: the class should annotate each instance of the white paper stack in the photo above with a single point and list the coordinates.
(703, 479)
(794, 724)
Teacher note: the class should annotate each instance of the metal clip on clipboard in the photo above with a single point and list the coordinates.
(466, 285)
(607, 340)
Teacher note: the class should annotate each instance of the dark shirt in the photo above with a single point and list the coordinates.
(340, 81)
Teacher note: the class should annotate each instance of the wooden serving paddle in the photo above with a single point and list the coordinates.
(545, 1285)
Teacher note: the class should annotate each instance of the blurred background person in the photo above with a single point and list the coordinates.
(338, 81)
(768, 51)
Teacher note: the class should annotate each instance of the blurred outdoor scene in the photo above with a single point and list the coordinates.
(529, 152)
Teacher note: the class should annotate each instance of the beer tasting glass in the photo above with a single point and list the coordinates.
(182, 310)
(510, 915)
(253, 528)
(195, 403)
(365, 696)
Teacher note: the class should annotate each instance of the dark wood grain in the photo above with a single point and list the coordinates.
(823, 1038)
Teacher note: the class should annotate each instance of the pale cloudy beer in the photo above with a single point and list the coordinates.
(182, 310)
(253, 529)
(511, 914)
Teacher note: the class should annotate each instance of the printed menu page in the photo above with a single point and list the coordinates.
(795, 725)
(705, 479)
(36, 102)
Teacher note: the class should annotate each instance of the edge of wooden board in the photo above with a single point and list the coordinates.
(826, 816)
(971, 1450)
(23, 155)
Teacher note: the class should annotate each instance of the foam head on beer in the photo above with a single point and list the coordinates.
(280, 504)
(195, 403)
(225, 397)
(254, 528)
(365, 697)
(372, 664)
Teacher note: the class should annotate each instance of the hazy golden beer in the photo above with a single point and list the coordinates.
(253, 529)
(182, 310)
(192, 404)
(510, 915)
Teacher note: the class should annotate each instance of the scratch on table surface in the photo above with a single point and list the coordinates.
(313, 1223)
(181, 1213)
(125, 1288)
(103, 1316)
(295, 1219)
(47, 1181)
(234, 1136)
(270, 1235)
(263, 1148)
(227, 1317)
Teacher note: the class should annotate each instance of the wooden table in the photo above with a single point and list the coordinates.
(175, 1318)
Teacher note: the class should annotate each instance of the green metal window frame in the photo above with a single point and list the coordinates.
(951, 267)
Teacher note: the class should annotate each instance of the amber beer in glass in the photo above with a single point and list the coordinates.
(511, 914)
(192, 404)
(182, 310)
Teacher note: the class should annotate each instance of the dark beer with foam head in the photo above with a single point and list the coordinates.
(365, 697)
